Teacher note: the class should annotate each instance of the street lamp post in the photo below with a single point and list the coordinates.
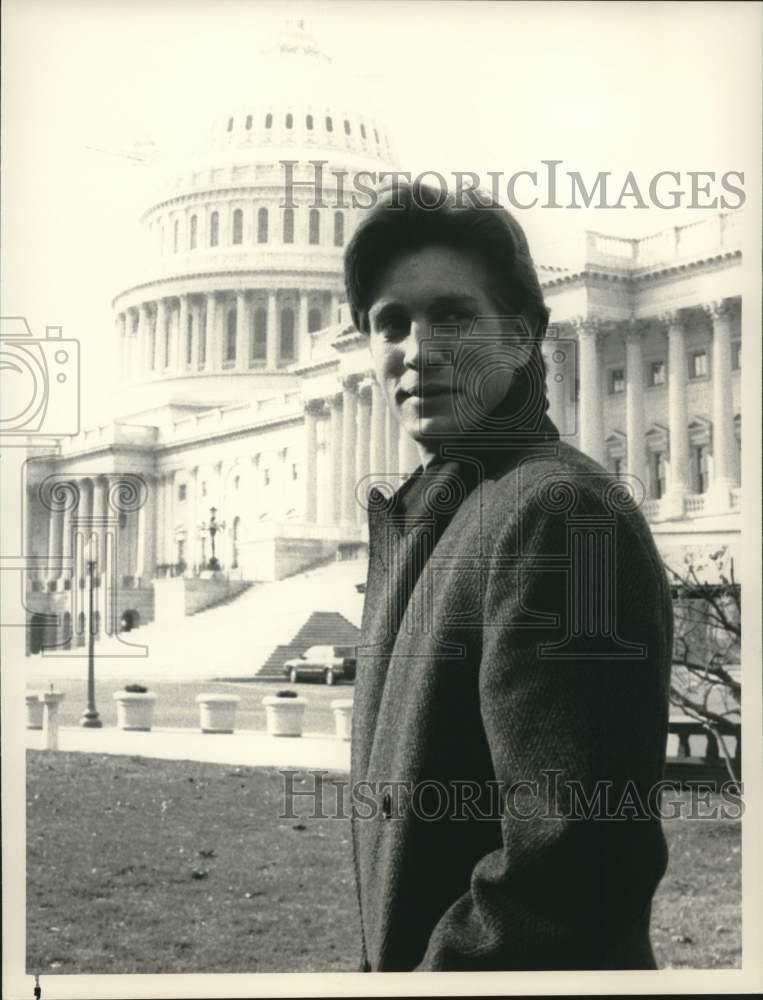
(213, 527)
(91, 719)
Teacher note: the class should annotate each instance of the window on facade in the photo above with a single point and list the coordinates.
(314, 226)
(248, 122)
(230, 124)
(617, 380)
(238, 226)
(287, 333)
(329, 124)
(266, 477)
(658, 474)
(294, 471)
(176, 236)
(166, 344)
(288, 225)
(656, 373)
(289, 121)
(309, 123)
(182, 491)
(262, 225)
(268, 121)
(260, 338)
(736, 355)
(700, 455)
(214, 229)
(236, 482)
(314, 320)
(230, 335)
(346, 127)
(152, 344)
(204, 489)
(617, 467)
(338, 229)
(202, 340)
(698, 364)
(189, 341)
(363, 131)
(194, 232)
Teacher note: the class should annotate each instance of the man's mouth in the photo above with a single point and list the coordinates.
(424, 392)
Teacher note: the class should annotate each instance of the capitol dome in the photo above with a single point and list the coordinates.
(242, 266)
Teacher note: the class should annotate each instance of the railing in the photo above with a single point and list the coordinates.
(651, 509)
(695, 503)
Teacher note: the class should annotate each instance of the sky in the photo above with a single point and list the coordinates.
(90, 84)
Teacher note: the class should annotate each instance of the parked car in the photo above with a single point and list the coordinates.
(330, 663)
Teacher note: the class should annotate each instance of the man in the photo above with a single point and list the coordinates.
(516, 635)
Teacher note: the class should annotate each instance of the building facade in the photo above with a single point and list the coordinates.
(255, 418)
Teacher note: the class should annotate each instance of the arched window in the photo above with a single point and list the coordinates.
(230, 335)
(248, 122)
(338, 229)
(314, 320)
(230, 124)
(260, 338)
(175, 235)
(362, 130)
(287, 334)
(329, 124)
(268, 121)
(238, 226)
(289, 121)
(309, 123)
(315, 226)
(189, 340)
(194, 232)
(262, 225)
(376, 135)
(214, 229)
(288, 225)
(346, 127)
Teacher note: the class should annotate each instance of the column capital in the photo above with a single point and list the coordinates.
(634, 329)
(365, 388)
(587, 326)
(315, 407)
(672, 318)
(351, 382)
(719, 309)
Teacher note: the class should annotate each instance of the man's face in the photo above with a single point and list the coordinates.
(434, 286)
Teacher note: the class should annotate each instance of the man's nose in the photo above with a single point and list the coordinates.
(417, 332)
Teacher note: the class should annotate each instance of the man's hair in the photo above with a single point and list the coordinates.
(402, 221)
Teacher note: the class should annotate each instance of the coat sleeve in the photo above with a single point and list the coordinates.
(568, 888)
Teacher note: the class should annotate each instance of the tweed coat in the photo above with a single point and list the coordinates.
(516, 635)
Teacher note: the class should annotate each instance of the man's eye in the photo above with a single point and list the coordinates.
(393, 327)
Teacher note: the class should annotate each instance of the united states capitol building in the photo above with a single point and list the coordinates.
(254, 412)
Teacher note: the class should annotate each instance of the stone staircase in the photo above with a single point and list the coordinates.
(323, 628)
(239, 638)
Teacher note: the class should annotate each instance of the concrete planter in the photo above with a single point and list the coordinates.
(284, 716)
(34, 709)
(342, 717)
(135, 710)
(217, 712)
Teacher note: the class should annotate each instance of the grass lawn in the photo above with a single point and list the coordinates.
(137, 865)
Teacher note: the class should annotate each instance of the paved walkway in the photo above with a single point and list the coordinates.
(245, 748)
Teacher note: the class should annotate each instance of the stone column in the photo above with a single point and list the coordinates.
(145, 548)
(590, 408)
(142, 343)
(335, 476)
(634, 403)
(363, 451)
(182, 354)
(724, 444)
(303, 337)
(678, 424)
(122, 354)
(242, 331)
(161, 336)
(192, 519)
(272, 332)
(129, 351)
(66, 535)
(378, 410)
(55, 544)
(313, 410)
(210, 334)
(349, 443)
(85, 526)
(171, 554)
(391, 443)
